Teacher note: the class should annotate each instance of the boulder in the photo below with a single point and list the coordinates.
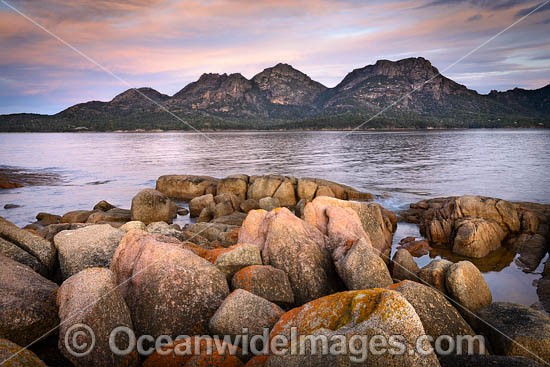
(11, 206)
(242, 309)
(363, 312)
(182, 211)
(28, 310)
(343, 227)
(324, 191)
(49, 232)
(263, 186)
(223, 208)
(372, 218)
(403, 266)
(115, 215)
(135, 224)
(150, 206)
(362, 268)
(233, 219)
(196, 205)
(306, 189)
(516, 330)
(248, 205)
(227, 196)
(16, 253)
(466, 286)
(237, 257)
(104, 206)
(477, 237)
(269, 203)
(76, 216)
(297, 248)
(206, 215)
(34, 245)
(13, 355)
(435, 273)
(90, 298)
(437, 314)
(45, 219)
(265, 281)
(299, 209)
(147, 272)
(223, 233)
(87, 247)
(286, 194)
(186, 187)
(254, 228)
(415, 248)
(233, 185)
(194, 352)
(532, 249)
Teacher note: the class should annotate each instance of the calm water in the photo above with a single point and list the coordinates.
(410, 166)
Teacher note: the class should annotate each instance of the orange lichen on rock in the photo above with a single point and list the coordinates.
(212, 255)
(194, 351)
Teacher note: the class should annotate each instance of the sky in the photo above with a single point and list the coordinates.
(166, 44)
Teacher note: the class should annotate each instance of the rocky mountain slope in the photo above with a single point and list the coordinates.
(283, 97)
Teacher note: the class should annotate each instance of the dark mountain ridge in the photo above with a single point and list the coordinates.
(411, 91)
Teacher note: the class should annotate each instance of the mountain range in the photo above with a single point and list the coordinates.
(410, 92)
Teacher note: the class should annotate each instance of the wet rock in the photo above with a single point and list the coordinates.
(90, 298)
(13, 355)
(437, 314)
(265, 281)
(415, 248)
(16, 253)
(435, 273)
(262, 187)
(485, 361)
(156, 304)
(242, 309)
(358, 195)
(248, 205)
(269, 203)
(104, 206)
(150, 206)
(477, 237)
(237, 257)
(362, 268)
(194, 352)
(76, 216)
(11, 206)
(286, 194)
(186, 187)
(531, 248)
(45, 219)
(36, 246)
(234, 185)
(526, 331)
(466, 286)
(364, 312)
(371, 215)
(182, 211)
(222, 209)
(87, 247)
(234, 219)
(27, 307)
(403, 266)
(196, 205)
(115, 215)
(135, 224)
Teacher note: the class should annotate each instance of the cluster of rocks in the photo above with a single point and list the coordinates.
(323, 268)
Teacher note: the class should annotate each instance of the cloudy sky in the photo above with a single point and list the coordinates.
(166, 44)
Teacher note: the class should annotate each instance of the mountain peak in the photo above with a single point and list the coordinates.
(136, 95)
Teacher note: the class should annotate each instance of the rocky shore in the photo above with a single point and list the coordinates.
(275, 253)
